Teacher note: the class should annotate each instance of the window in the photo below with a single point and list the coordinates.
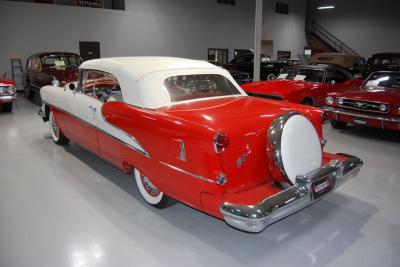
(336, 76)
(308, 75)
(383, 79)
(100, 85)
(282, 8)
(219, 55)
(64, 61)
(227, 2)
(188, 87)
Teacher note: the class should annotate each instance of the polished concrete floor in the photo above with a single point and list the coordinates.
(64, 207)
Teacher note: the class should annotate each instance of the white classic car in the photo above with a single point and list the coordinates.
(187, 131)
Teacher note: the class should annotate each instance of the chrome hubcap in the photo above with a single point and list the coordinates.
(150, 188)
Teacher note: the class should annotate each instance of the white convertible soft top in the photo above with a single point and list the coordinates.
(142, 78)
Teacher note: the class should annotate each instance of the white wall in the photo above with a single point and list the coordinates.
(286, 31)
(367, 26)
(184, 28)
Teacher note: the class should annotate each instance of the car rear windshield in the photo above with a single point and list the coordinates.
(308, 75)
(63, 61)
(188, 87)
(383, 80)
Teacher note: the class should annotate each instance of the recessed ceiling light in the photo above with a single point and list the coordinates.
(325, 7)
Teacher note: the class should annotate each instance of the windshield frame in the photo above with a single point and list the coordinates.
(324, 71)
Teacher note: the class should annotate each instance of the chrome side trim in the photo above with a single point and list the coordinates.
(188, 173)
(255, 218)
(143, 152)
(275, 135)
(360, 115)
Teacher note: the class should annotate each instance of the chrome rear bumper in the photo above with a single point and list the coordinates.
(255, 218)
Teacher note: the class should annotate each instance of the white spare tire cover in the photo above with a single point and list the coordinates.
(301, 149)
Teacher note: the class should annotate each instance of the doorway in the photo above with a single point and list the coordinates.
(89, 50)
(219, 55)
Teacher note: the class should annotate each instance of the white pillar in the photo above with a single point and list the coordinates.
(257, 39)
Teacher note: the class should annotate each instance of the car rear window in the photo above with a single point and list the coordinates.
(188, 87)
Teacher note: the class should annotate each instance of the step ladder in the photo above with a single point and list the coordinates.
(17, 72)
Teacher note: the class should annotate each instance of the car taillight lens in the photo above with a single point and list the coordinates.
(221, 142)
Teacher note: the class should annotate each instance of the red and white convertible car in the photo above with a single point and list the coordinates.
(8, 93)
(187, 131)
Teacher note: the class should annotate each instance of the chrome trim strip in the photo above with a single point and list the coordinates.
(8, 97)
(143, 152)
(366, 116)
(255, 218)
(188, 173)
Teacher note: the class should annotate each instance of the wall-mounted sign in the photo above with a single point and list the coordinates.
(282, 55)
(90, 3)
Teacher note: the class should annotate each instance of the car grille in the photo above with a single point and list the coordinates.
(275, 97)
(363, 105)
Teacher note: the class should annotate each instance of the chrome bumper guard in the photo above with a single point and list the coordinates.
(255, 218)
(337, 111)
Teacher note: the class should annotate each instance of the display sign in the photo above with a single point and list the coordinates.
(90, 3)
(282, 55)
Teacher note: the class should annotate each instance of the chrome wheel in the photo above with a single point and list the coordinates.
(150, 188)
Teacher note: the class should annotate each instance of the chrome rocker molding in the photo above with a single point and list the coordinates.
(360, 115)
(255, 218)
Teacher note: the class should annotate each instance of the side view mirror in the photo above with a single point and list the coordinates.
(71, 86)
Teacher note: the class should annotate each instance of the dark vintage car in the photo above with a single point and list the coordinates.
(239, 76)
(354, 64)
(376, 103)
(382, 62)
(305, 84)
(269, 69)
(51, 68)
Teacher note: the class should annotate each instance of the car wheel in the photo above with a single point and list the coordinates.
(150, 193)
(56, 134)
(7, 107)
(28, 92)
(307, 102)
(271, 77)
(338, 125)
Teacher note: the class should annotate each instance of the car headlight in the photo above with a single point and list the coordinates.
(383, 107)
(8, 90)
(340, 101)
(329, 100)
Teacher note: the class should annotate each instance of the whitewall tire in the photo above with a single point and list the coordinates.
(150, 193)
(55, 131)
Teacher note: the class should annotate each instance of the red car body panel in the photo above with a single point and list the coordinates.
(298, 91)
(203, 119)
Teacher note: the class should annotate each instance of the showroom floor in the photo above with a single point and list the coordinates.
(64, 207)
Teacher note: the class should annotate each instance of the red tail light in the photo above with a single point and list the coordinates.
(221, 141)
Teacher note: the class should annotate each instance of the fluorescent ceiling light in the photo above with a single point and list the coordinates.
(325, 7)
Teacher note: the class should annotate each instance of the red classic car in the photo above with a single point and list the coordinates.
(8, 94)
(169, 122)
(51, 68)
(376, 103)
(307, 85)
